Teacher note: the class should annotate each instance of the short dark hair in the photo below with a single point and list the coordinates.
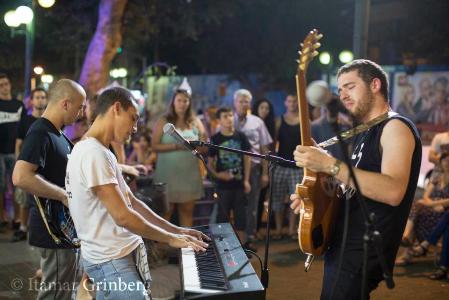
(223, 109)
(367, 70)
(38, 89)
(3, 75)
(136, 137)
(115, 94)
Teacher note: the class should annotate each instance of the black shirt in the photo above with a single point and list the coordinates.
(11, 111)
(229, 161)
(46, 147)
(289, 137)
(390, 220)
(25, 124)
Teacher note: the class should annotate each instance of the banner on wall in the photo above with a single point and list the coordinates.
(423, 98)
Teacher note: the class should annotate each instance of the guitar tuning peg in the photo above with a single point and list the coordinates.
(319, 36)
(315, 53)
(302, 45)
(299, 52)
(297, 60)
(317, 45)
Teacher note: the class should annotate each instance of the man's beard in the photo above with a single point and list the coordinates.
(364, 107)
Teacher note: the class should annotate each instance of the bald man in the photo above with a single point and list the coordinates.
(40, 170)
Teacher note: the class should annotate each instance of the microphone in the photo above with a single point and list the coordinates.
(170, 129)
(318, 93)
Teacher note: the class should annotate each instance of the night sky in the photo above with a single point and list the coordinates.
(235, 37)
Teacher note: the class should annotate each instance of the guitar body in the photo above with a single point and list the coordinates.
(319, 208)
(59, 223)
(318, 191)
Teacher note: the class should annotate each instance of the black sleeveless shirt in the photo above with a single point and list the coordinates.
(390, 220)
(289, 137)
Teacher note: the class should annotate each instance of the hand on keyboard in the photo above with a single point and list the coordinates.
(195, 233)
(184, 241)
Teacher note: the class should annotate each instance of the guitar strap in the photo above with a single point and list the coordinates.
(359, 129)
(44, 219)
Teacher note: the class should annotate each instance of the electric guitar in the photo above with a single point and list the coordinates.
(57, 219)
(317, 191)
(59, 223)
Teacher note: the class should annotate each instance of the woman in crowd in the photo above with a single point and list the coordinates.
(423, 217)
(441, 230)
(176, 165)
(264, 110)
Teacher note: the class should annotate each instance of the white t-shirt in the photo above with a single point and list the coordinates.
(91, 164)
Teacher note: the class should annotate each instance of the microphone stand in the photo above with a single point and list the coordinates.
(273, 162)
(371, 235)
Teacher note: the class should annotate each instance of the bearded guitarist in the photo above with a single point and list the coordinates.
(386, 160)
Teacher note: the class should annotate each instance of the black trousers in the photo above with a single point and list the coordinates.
(348, 285)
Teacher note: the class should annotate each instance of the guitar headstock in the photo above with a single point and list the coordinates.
(309, 49)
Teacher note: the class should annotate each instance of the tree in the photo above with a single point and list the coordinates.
(103, 46)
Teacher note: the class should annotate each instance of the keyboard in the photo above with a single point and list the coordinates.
(223, 271)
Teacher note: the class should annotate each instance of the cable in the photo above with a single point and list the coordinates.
(258, 257)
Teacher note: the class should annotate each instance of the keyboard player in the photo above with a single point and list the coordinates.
(109, 219)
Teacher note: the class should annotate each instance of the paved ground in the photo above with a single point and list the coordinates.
(18, 263)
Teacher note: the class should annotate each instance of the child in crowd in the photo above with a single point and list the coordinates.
(232, 171)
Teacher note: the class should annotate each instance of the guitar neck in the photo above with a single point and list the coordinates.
(306, 136)
(304, 121)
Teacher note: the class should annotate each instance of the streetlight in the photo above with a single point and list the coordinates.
(38, 70)
(346, 56)
(23, 15)
(327, 61)
(325, 58)
(10, 19)
(46, 3)
(47, 78)
(119, 73)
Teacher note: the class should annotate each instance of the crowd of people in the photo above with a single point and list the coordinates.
(83, 169)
